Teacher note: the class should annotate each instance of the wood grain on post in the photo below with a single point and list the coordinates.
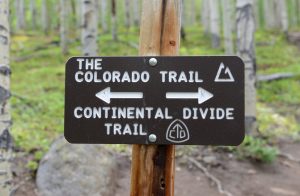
(152, 171)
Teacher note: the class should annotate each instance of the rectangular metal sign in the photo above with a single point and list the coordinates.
(155, 100)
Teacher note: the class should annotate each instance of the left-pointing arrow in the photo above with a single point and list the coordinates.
(106, 95)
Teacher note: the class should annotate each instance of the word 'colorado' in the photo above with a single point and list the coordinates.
(91, 70)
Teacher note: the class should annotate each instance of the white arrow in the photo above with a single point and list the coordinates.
(202, 95)
(106, 95)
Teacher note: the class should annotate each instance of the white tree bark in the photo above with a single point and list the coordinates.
(270, 16)
(127, 13)
(20, 13)
(283, 16)
(192, 12)
(64, 26)
(214, 23)
(114, 20)
(298, 11)
(227, 27)
(183, 14)
(78, 14)
(33, 14)
(256, 13)
(45, 17)
(246, 50)
(293, 13)
(5, 118)
(89, 28)
(136, 12)
(103, 16)
(205, 16)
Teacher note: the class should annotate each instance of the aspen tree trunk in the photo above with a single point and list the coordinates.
(227, 27)
(152, 171)
(72, 12)
(256, 13)
(127, 13)
(205, 18)
(20, 13)
(214, 23)
(270, 16)
(298, 11)
(78, 14)
(114, 20)
(193, 12)
(89, 28)
(136, 12)
(246, 50)
(17, 8)
(45, 17)
(183, 22)
(293, 13)
(103, 16)
(56, 9)
(33, 13)
(97, 11)
(5, 118)
(64, 26)
(283, 16)
(183, 14)
(78, 19)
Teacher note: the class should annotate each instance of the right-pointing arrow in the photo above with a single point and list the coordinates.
(202, 95)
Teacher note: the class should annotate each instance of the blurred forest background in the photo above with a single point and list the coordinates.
(44, 34)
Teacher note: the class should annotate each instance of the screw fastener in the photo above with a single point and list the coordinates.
(153, 61)
(152, 138)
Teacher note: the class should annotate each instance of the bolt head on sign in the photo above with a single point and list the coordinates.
(195, 100)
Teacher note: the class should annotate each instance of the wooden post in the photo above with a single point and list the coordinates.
(152, 171)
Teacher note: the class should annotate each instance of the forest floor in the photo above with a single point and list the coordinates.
(38, 107)
(236, 177)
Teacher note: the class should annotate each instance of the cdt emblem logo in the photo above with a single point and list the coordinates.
(177, 132)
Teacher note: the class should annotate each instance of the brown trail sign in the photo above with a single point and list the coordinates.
(155, 100)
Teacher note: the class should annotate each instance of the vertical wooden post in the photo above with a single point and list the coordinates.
(152, 171)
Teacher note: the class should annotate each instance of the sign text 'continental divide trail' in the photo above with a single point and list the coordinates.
(160, 100)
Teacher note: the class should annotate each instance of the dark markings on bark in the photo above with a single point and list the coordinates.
(87, 17)
(3, 28)
(4, 95)
(5, 140)
(249, 122)
(159, 172)
(182, 34)
(3, 40)
(87, 2)
(164, 3)
(216, 40)
(246, 14)
(5, 70)
(113, 7)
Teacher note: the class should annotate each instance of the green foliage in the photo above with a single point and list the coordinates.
(256, 149)
(122, 148)
(38, 86)
(32, 166)
(282, 91)
(273, 124)
(197, 43)
(274, 54)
